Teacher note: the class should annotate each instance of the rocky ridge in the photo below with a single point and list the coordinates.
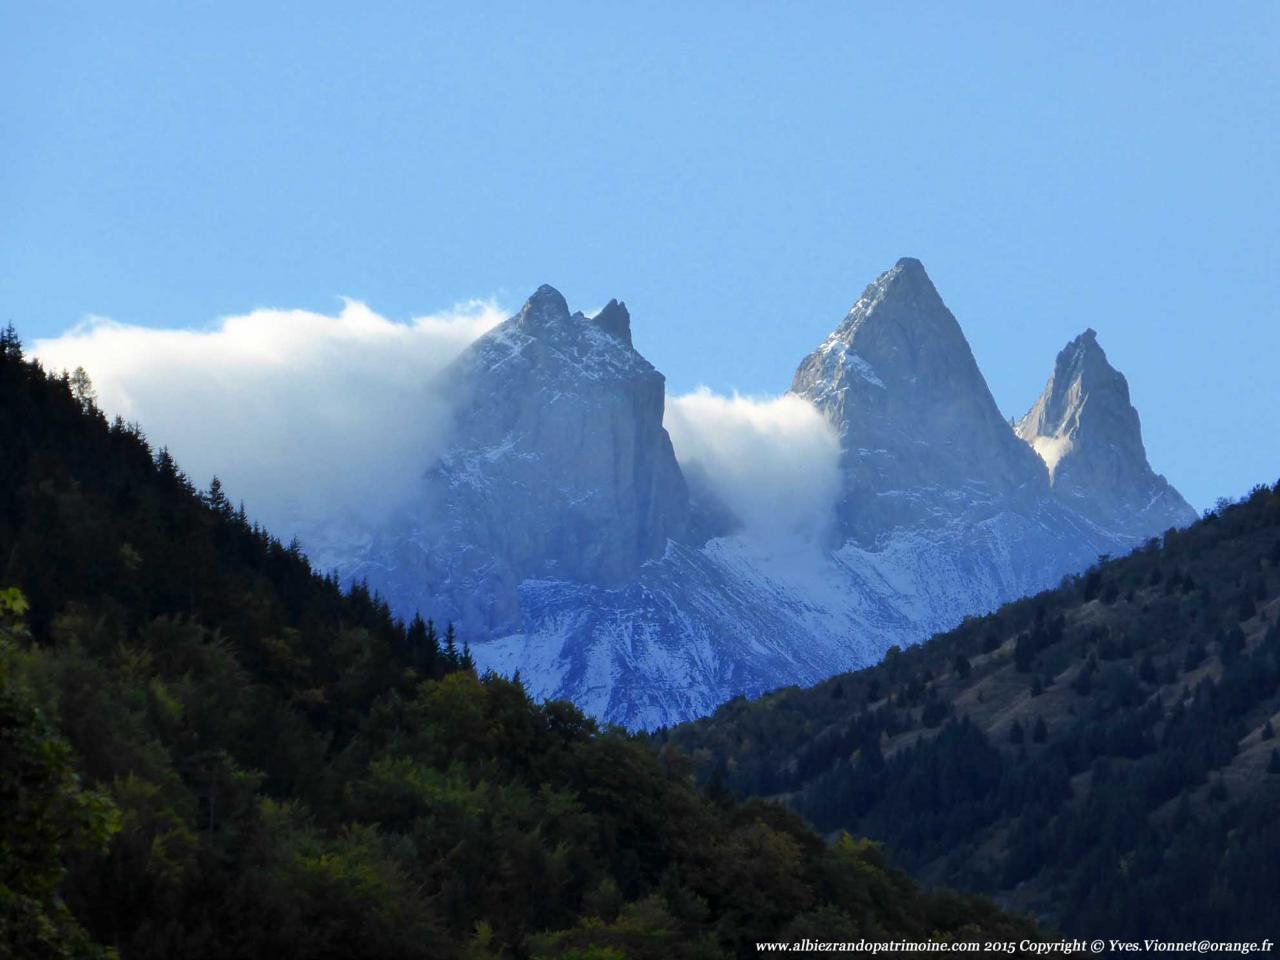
(558, 533)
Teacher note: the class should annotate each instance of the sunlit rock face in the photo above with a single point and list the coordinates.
(922, 438)
(1089, 436)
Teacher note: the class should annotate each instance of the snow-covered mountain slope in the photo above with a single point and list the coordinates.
(558, 532)
(704, 624)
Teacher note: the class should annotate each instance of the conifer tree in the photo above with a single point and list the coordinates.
(424, 646)
(10, 344)
(451, 658)
(217, 499)
(1040, 732)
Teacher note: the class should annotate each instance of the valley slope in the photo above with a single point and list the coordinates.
(1102, 754)
(208, 750)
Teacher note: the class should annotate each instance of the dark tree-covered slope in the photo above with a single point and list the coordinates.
(1102, 754)
(209, 751)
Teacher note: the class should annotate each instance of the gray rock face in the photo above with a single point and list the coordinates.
(558, 531)
(560, 469)
(922, 439)
(1089, 436)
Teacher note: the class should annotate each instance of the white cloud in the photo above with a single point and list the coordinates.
(318, 422)
(774, 462)
(302, 415)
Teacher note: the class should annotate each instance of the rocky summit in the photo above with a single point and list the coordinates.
(921, 436)
(1089, 436)
(560, 470)
(558, 532)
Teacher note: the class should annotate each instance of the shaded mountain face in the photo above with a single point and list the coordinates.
(560, 457)
(921, 436)
(559, 534)
(559, 469)
(1088, 434)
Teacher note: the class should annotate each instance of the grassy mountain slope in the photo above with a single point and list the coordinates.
(1102, 754)
(207, 750)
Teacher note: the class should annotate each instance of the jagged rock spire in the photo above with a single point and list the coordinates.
(1087, 432)
(615, 320)
(559, 467)
(545, 306)
(917, 421)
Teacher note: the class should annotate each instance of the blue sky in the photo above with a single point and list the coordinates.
(735, 171)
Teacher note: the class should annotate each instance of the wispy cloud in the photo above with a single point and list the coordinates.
(312, 418)
(299, 413)
(772, 461)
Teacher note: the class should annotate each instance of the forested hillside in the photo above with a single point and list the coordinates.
(1102, 754)
(207, 750)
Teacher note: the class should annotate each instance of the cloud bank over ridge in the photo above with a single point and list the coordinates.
(313, 419)
(772, 461)
(298, 413)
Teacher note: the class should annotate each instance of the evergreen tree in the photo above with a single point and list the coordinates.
(1023, 652)
(424, 647)
(1231, 643)
(1040, 732)
(1083, 683)
(934, 712)
(1217, 791)
(10, 344)
(1248, 606)
(1016, 734)
(1092, 584)
(217, 499)
(451, 658)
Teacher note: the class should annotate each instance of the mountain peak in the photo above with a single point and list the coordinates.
(901, 303)
(899, 382)
(1084, 349)
(546, 305)
(898, 336)
(1083, 397)
(1082, 369)
(910, 266)
(1087, 432)
(615, 320)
